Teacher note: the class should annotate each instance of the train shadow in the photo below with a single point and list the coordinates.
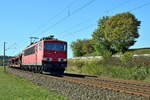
(78, 75)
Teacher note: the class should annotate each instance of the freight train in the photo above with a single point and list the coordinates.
(47, 55)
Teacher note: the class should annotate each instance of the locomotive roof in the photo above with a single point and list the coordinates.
(51, 40)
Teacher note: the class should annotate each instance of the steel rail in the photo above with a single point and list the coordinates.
(109, 86)
(112, 84)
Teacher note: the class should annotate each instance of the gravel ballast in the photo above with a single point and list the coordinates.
(71, 90)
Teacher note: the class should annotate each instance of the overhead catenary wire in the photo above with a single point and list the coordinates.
(78, 24)
(120, 4)
(129, 10)
(145, 4)
(13, 46)
(75, 11)
(84, 6)
(78, 9)
(55, 16)
(79, 30)
(71, 14)
(141, 6)
(117, 6)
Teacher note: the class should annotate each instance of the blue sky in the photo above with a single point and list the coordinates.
(21, 19)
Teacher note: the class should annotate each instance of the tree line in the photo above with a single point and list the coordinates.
(6, 58)
(114, 34)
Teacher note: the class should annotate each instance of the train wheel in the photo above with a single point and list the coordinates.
(41, 70)
(30, 68)
(33, 69)
(36, 69)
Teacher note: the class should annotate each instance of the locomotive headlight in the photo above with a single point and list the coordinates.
(65, 59)
(62, 60)
(47, 59)
(50, 59)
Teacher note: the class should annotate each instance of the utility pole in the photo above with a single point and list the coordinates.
(4, 57)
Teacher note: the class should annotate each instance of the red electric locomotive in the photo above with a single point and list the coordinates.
(46, 55)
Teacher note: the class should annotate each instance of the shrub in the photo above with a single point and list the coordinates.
(126, 58)
(79, 64)
(112, 67)
(140, 73)
(107, 54)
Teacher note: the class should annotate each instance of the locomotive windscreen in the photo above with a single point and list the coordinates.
(55, 46)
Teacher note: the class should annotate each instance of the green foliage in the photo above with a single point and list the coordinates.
(140, 51)
(113, 34)
(101, 43)
(117, 33)
(77, 48)
(140, 73)
(126, 57)
(106, 54)
(79, 64)
(101, 48)
(92, 68)
(1, 62)
(6, 57)
(122, 30)
(99, 34)
(138, 69)
(82, 47)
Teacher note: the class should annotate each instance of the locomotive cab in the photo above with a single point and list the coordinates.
(54, 56)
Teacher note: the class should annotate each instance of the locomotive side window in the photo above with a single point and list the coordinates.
(29, 51)
(56, 46)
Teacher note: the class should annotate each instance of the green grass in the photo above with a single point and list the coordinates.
(137, 69)
(140, 51)
(14, 88)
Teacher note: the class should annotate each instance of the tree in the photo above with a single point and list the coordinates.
(117, 33)
(82, 47)
(101, 44)
(77, 48)
(113, 34)
(121, 31)
(88, 47)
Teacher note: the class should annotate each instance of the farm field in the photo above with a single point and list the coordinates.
(14, 88)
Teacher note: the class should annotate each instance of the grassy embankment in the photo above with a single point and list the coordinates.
(14, 88)
(133, 68)
(140, 51)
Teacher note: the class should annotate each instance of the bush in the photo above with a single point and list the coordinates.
(92, 68)
(79, 64)
(107, 54)
(126, 58)
(141, 73)
(139, 69)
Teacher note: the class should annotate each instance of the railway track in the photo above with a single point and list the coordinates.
(137, 88)
(125, 86)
